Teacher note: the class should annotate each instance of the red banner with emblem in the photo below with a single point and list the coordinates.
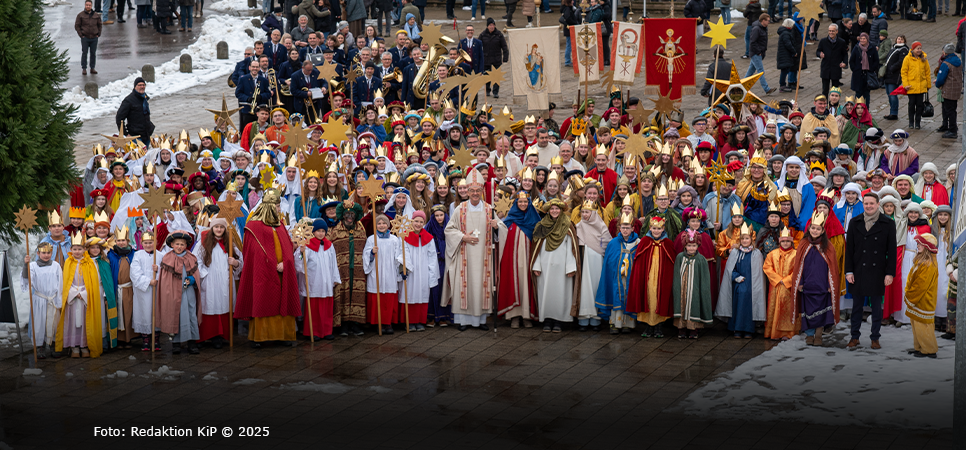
(669, 50)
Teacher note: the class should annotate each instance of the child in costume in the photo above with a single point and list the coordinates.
(692, 287)
(742, 297)
(319, 261)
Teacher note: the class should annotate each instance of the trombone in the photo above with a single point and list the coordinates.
(273, 81)
(309, 107)
(254, 103)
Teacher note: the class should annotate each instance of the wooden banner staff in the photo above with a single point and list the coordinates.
(308, 299)
(27, 219)
(798, 73)
(231, 287)
(375, 246)
(298, 162)
(154, 290)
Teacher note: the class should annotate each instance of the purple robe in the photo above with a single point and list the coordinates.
(817, 309)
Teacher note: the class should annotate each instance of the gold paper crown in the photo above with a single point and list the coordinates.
(816, 165)
(312, 173)
(662, 191)
(183, 146)
(759, 159)
(556, 160)
(54, 218)
(264, 158)
(100, 217)
(666, 149)
(532, 151)
(147, 236)
(553, 176)
(687, 152)
(580, 140)
(527, 174)
(587, 204)
(76, 212)
(99, 150)
(602, 150)
(576, 182)
(629, 160)
(448, 104)
(627, 201)
(78, 239)
(783, 196)
(121, 233)
(104, 164)
(785, 234)
(202, 133)
(850, 99)
(628, 219)
(499, 162)
(819, 218)
(657, 222)
(736, 210)
(523, 194)
(530, 119)
(746, 229)
(293, 161)
(773, 207)
(149, 168)
(441, 180)
(861, 100)
(45, 247)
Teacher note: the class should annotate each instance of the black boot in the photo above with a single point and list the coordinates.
(496, 91)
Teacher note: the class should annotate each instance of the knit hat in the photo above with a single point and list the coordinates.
(138, 81)
(419, 214)
(884, 32)
(914, 45)
(949, 49)
(319, 224)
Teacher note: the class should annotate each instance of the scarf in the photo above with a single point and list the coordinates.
(592, 233)
(552, 230)
(122, 251)
(919, 222)
(419, 239)
(144, 103)
(383, 234)
(865, 56)
(820, 116)
(524, 220)
(870, 219)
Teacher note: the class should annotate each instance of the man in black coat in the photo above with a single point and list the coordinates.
(870, 264)
(245, 92)
(135, 112)
(495, 52)
(723, 73)
(834, 52)
(308, 78)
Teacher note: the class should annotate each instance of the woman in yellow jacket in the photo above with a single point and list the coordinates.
(917, 79)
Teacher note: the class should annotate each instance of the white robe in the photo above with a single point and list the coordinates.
(942, 287)
(554, 289)
(423, 269)
(590, 278)
(324, 269)
(214, 284)
(390, 253)
(47, 283)
(141, 276)
(478, 289)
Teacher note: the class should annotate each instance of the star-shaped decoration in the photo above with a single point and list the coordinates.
(26, 218)
(319, 162)
(462, 157)
(502, 122)
(296, 137)
(455, 81)
(224, 113)
(809, 9)
(230, 208)
(638, 146)
(334, 131)
(327, 71)
(371, 188)
(301, 233)
(805, 146)
(267, 176)
(719, 33)
(502, 206)
(191, 166)
(718, 173)
(401, 226)
(120, 141)
(664, 105)
(737, 90)
(639, 115)
(433, 34)
(155, 201)
(351, 75)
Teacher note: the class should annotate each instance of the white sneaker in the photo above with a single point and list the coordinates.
(467, 8)
(483, 17)
(473, 19)
(529, 25)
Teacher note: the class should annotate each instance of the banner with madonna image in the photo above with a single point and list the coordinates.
(535, 63)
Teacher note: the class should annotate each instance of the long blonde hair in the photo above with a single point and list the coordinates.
(924, 257)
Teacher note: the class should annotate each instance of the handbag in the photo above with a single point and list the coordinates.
(872, 81)
(927, 109)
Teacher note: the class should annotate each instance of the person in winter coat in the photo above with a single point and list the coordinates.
(271, 21)
(834, 52)
(917, 80)
(511, 7)
(891, 72)
(600, 12)
(495, 52)
(878, 23)
(694, 9)
(949, 79)
(88, 28)
(861, 25)
(135, 113)
(787, 56)
(384, 12)
(355, 12)
(864, 60)
(308, 9)
(529, 9)
(759, 45)
(752, 13)
(723, 72)
(164, 10)
(569, 16)
(326, 21)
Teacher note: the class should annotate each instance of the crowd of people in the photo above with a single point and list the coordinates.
(775, 221)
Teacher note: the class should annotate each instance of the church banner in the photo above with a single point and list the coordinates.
(669, 48)
(535, 58)
(625, 51)
(587, 51)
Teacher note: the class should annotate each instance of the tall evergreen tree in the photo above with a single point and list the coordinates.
(36, 128)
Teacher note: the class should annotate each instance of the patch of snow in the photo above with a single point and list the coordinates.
(132, 358)
(836, 386)
(118, 374)
(327, 388)
(380, 389)
(168, 79)
(68, 374)
(228, 6)
(248, 381)
(166, 372)
(210, 377)
(30, 371)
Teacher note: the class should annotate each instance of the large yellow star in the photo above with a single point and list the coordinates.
(26, 218)
(120, 141)
(639, 115)
(664, 105)
(719, 33)
(225, 113)
(502, 122)
(230, 209)
(502, 206)
(327, 71)
(401, 226)
(637, 145)
(317, 161)
(371, 188)
(433, 34)
(155, 201)
(335, 131)
(809, 9)
(462, 157)
(737, 90)
(296, 137)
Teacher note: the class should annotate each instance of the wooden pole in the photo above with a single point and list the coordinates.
(714, 90)
(801, 56)
(154, 295)
(405, 283)
(231, 289)
(375, 245)
(30, 293)
(308, 299)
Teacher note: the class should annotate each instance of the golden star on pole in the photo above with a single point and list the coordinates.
(637, 145)
(302, 233)
(191, 167)
(296, 137)
(502, 122)
(26, 218)
(809, 9)
(639, 115)
(319, 162)
(502, 206)
(664, 105)
(351, 75)
(335, 131)
(371, 188)
(327, 71)
(155, 201)
(462, 157)
(230, 208)
(719, 33)
(225, 113)
(433, 34)
(401, 226)
(805, 146)
(120, 141)
(736, 90)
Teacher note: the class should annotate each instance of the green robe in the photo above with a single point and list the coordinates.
(851, 133)
(692, 283)
(672, 221)
(107, 286)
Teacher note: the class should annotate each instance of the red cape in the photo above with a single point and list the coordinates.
(507, 298)
(263, 292)
(637, 290)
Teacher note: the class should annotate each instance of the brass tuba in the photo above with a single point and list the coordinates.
(396, 75)
(462, 58)
(427, 71)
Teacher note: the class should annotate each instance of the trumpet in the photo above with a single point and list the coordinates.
(254, 102)
(396, 75)
(462, 58)
(273, 82)
(309, 108)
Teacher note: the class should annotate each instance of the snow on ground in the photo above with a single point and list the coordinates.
(829, 385)
(327, 388)
(228, 6)
(248, 381)
(168, 79)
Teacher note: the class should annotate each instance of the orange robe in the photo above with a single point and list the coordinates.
(781, 303)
